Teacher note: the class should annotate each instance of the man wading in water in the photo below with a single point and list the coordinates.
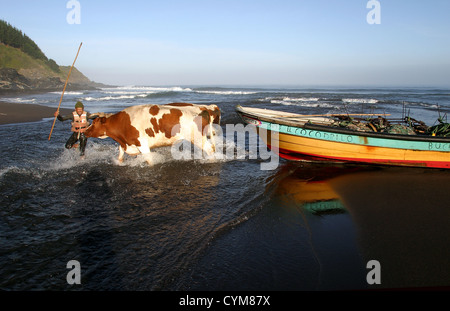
(79, 125)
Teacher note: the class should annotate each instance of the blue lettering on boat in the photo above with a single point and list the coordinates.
(439, 146)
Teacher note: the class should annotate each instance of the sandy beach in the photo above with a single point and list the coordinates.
(18, 113)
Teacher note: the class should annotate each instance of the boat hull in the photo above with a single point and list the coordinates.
(319, 143)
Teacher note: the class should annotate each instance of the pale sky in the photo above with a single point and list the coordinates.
(239, 42)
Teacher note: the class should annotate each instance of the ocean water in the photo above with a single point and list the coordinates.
(221, 224)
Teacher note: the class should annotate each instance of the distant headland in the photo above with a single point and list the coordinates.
(24, 68)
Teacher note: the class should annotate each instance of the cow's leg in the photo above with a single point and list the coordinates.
(205, 145)
(200, 133)
(212, 133)
(121, 153)
(208, 146)
(145, 150)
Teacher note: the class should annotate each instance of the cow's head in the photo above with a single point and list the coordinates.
(97, 128)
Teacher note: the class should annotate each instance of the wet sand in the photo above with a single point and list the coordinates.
(403, 218)
(11, 113)
(323, 225)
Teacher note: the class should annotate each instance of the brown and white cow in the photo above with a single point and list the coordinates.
(138, 129)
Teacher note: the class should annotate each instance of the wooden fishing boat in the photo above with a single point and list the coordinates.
(323, 138)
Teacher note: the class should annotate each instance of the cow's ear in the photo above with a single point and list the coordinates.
(102, 120)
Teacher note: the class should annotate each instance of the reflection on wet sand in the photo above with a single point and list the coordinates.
(401, 216)
(403, 219)
(308, 185)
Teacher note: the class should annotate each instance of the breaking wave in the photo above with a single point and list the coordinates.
(149, 89)
(68, 93)
(106, 98)
(136, 92)
(299, 102)
(227, 92)
(19, 100)
(360, 100)
(293, 100)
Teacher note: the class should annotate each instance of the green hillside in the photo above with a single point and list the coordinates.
(26, 65)
(12, 36)
(23, 66)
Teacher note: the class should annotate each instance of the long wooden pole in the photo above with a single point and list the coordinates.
(62, 94)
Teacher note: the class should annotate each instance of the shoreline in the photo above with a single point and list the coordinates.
(11, 113)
